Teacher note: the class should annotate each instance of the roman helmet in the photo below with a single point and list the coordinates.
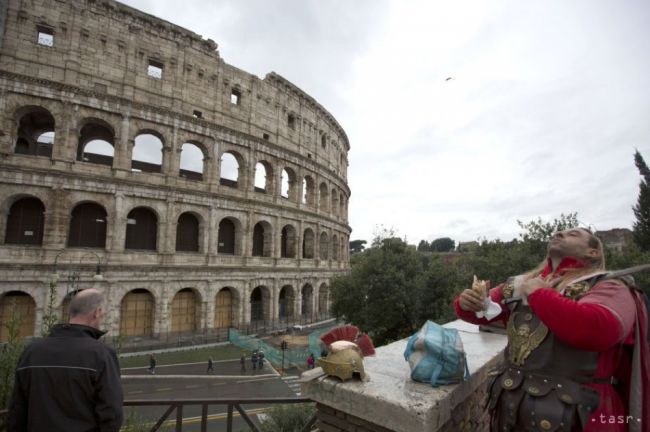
(343, 364)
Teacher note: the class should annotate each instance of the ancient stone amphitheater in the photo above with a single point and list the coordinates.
(133, 158)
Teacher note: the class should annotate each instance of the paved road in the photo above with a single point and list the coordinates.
(224, 367)
(262, 384)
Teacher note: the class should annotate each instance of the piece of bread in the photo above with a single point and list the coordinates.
(480, 286)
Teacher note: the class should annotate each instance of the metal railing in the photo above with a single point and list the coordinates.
(178, 405)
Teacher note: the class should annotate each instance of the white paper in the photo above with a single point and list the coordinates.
(492, 310)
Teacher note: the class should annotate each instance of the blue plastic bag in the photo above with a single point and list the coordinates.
(435, 355)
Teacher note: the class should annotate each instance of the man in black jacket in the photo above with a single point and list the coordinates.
(69, 381)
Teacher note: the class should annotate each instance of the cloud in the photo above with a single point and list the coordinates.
(548, 102)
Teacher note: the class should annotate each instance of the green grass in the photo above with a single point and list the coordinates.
(224, 352)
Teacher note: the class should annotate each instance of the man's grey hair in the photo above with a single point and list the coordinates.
(86, 302)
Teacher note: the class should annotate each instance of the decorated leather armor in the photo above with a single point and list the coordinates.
(540, 385)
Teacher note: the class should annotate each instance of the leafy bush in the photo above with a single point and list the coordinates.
(288, 418)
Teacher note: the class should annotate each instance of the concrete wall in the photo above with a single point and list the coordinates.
(391, 401)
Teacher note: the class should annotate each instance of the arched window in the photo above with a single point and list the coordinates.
(335, 202)
(285, 302)
(323, 300)
(335, 248)
(96, 143)
(259, 301)
(323, 197)
(262, 240)
(22, 306)
(342, 206)
(87, 226)
(308, 194)
(324, 246)
(184, 311)
(307, 300)
(35, 132)
(223, 312)
(187, 233)
(289, 185)
(147, 153)
(229, 175)
(308, 244)
(263, 177)
(141, 229)
(137, 313)
(226, 237)
(288, 242)
(25, 222)
(191, 166)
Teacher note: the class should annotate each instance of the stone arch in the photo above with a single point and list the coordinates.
(88, 222)
(36, 131)
(229, 239)
(187, 232)
(323, 246)
(289, 189)
(185, 310)
(335, 202)
(260, 304)
(147, 152)
(323, 197)
(288, 242)
(25, 221)
(225, 307)
(286, 300)
(335, 247)
(308, 191)
(306, 308)
(262, 239)
(308, 243)
(192, 161)
(231, 165)
(342, 206)
(96, 142)
(141, 229)
(137, 313)
(263, 177)
(323, 299)
(24, 306)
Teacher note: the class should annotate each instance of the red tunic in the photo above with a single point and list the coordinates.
(602, 320)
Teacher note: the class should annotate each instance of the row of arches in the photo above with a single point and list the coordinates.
(88, 228)
(96, 144)
(138, 310)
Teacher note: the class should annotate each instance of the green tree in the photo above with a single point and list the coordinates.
(288, 418)
(444, 244)
(50, 317)
(424, 246)
(357, 246)
(9, 354)
(538, 230)
(380, 293)
(641, 227)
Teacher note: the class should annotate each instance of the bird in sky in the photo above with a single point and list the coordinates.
(450, 78)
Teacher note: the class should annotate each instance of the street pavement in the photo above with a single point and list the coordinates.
(191, 381)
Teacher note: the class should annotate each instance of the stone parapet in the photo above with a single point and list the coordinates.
(391, 401)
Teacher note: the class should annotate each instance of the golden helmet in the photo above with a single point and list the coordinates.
(343, 364)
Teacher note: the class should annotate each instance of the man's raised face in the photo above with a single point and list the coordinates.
(573, 242)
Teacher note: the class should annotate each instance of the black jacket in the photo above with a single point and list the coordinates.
(67, 382)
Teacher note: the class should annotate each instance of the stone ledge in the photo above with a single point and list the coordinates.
(393, 401)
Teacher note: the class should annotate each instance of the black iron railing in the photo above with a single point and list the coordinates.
(178, 405)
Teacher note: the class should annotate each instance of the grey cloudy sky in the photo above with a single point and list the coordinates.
(547, 103)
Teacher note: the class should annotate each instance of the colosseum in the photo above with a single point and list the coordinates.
(134, 159)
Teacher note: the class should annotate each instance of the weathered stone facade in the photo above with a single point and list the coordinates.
(84, 70)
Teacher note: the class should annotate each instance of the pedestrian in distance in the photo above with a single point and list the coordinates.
(152, 364)
(242, 362)
(310, 361)
(254, 359)
(260, 360)
(69, 381)
(210, 366)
